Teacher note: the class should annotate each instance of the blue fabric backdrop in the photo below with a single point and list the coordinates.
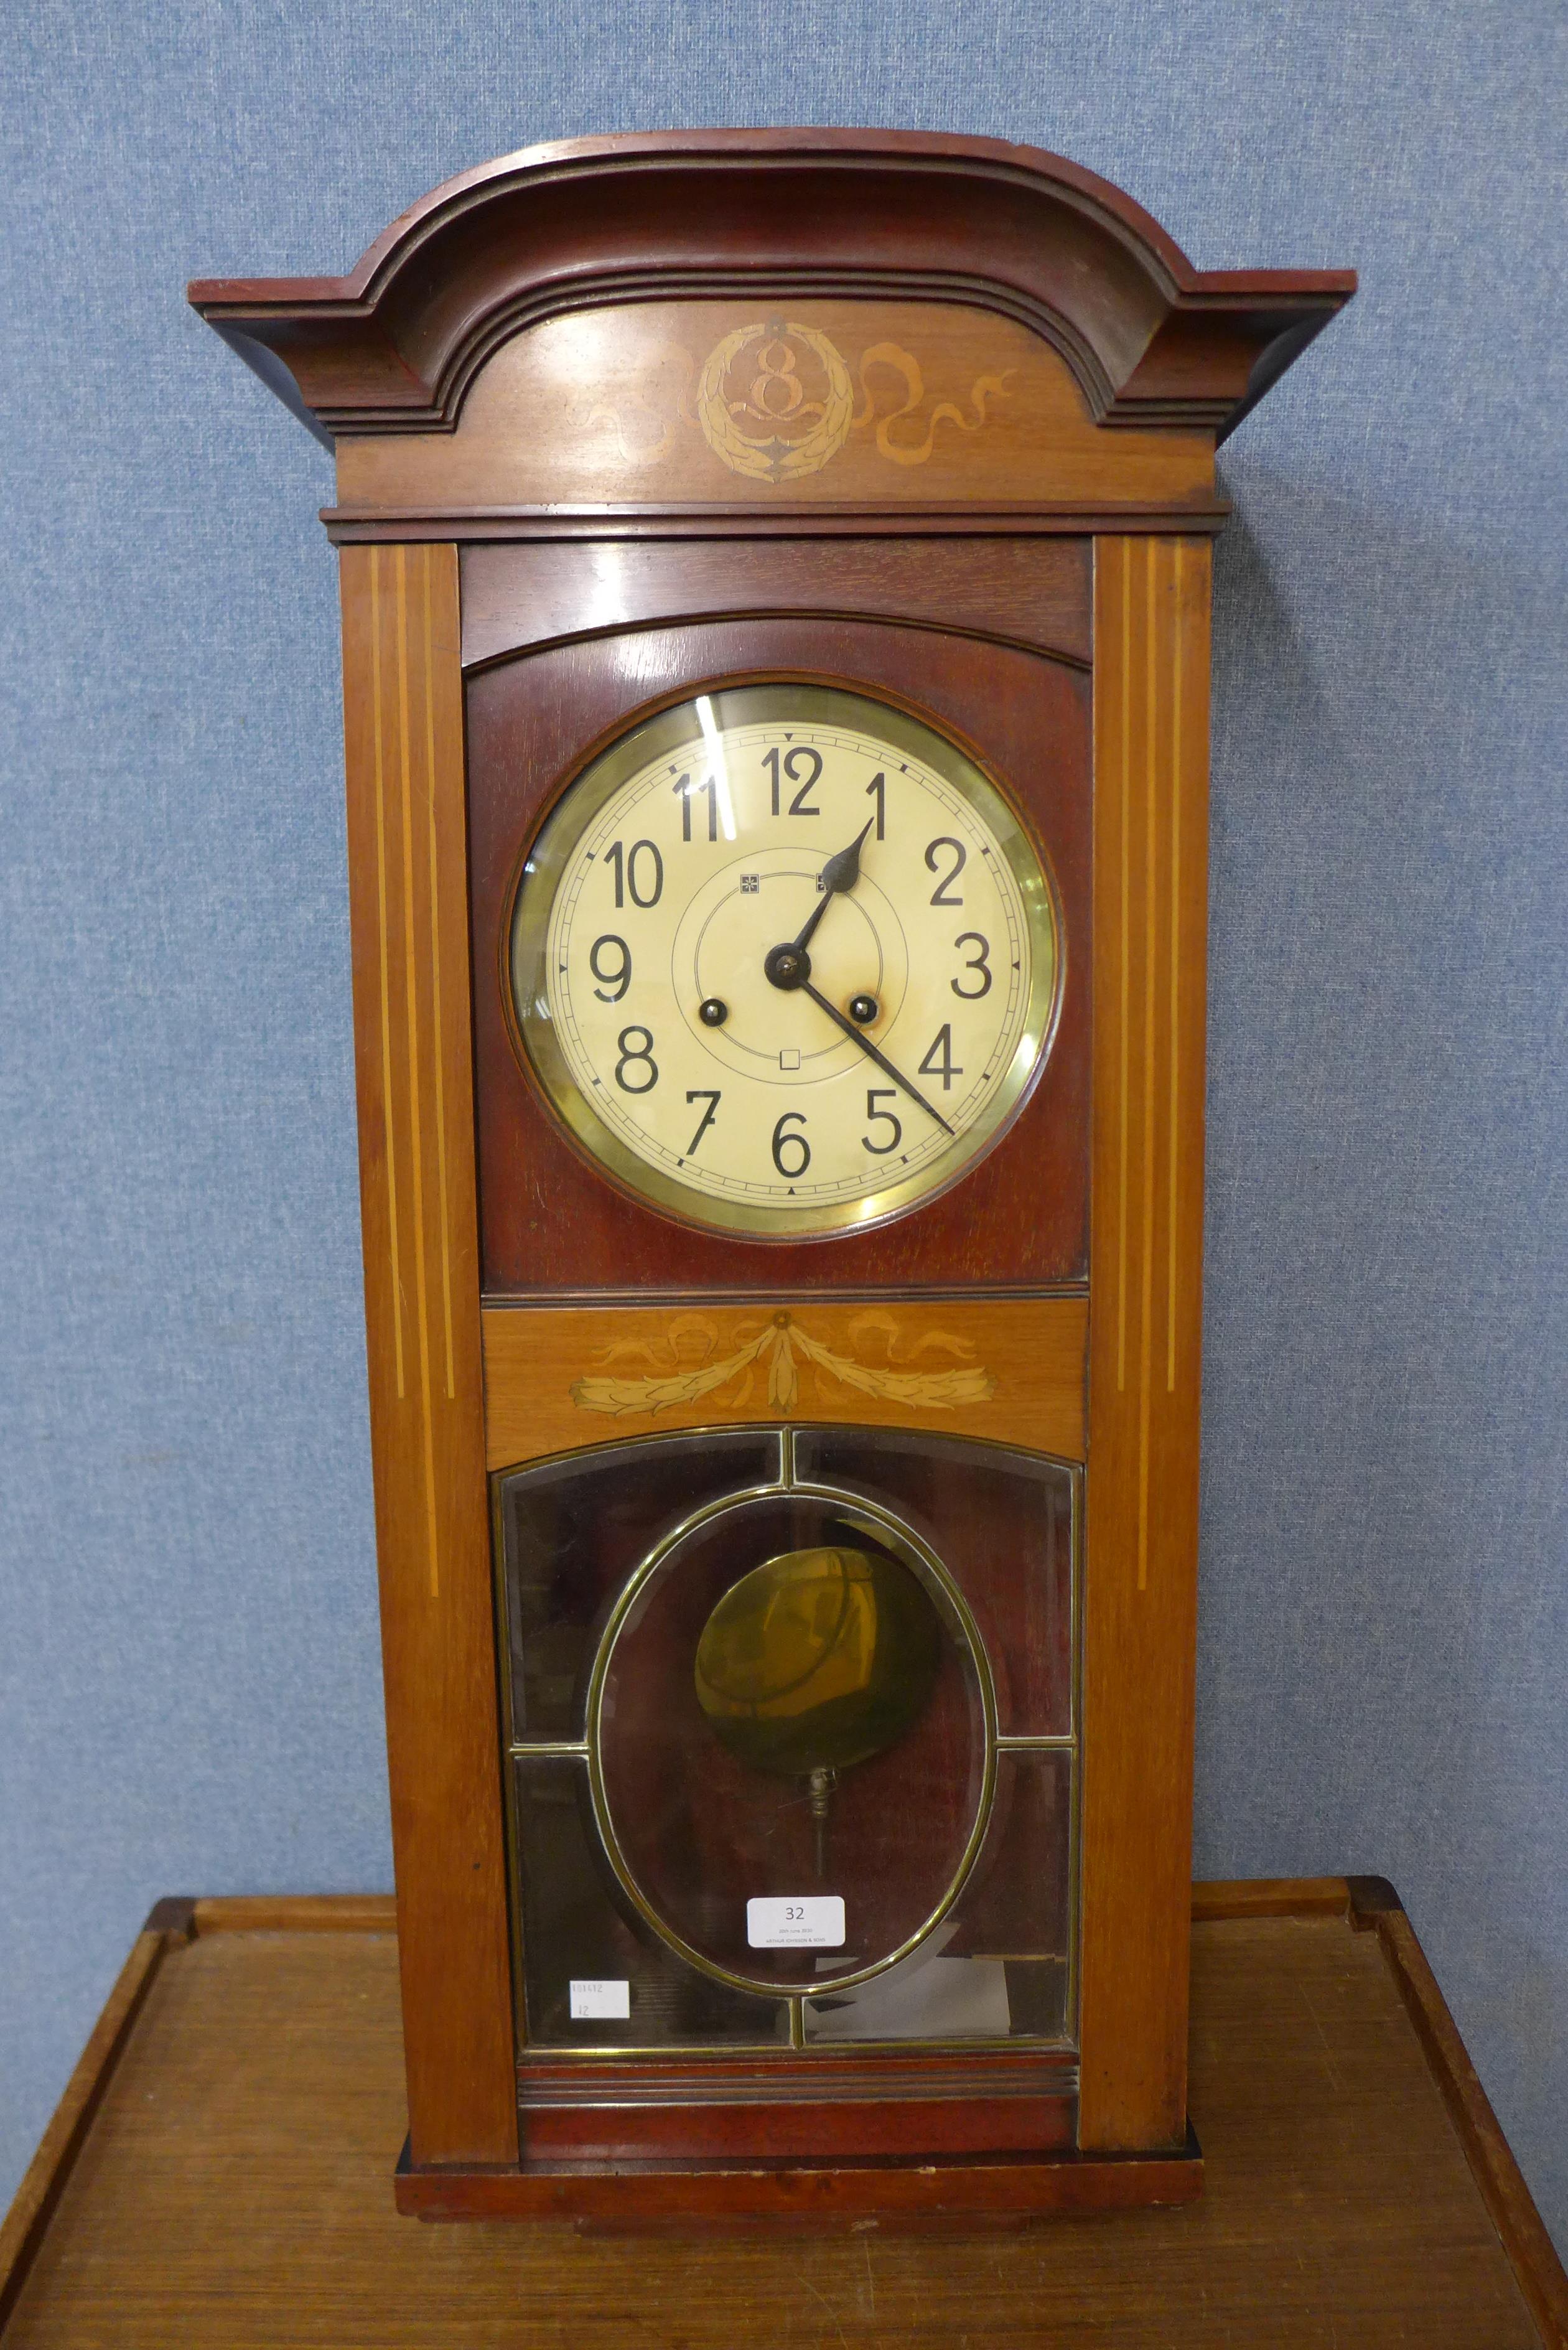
(189, 1697)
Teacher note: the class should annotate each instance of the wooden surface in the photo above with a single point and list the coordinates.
(37, 2199)
(826, 2193)
(1024, 1360)
(235, 2187)
(941, 404)
(1151, 831)
(403, 741)
(765, 216)
(619, 526)
(1024, 591)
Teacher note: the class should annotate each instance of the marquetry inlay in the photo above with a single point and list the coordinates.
(412, 1075)
(1151, 652)
(407, 790)
(1009, 1369)
(1149, 1015)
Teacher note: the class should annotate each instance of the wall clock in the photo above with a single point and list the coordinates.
(775, 580)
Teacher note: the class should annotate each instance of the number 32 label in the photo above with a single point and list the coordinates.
(814, 1922)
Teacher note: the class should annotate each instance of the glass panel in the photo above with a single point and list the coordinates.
(572, 1532)
(577, 1927)
(998, 1966)
(1002, 1523)
(819, 1734)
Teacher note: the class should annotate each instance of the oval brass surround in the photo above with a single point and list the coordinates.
(929, 1570)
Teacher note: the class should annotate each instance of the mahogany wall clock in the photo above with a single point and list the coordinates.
(775, 587)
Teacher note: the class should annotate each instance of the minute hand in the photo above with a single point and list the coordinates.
(868, 1047)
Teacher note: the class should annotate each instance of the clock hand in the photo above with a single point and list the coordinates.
(840, 872)
(868, 1047)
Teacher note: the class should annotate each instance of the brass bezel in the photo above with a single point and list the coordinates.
(541, 871)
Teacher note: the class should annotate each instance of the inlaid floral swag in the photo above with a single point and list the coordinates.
(777, 1347)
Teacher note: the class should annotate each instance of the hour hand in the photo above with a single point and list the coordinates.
(841, 872)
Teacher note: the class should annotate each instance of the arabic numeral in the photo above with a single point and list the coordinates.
(613, 984)
(634, 1056)
(875, 1117)
(643, 860)
(792, 762)
(711, 1096)
(939, 1061)
(933, 865)
(977, 963)
(796, 1143)
(686, 792)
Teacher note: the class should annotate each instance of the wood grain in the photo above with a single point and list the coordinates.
(44, 2180)
(403, 727)
(1490, 2158)
(623, 526)
(298, 1913)
(782, 2195)
(892, 2125)
(1017, 590)
(1031, 1352)
(1272, 1896)
(603, 407)
(235, 2191)
(1151, 774)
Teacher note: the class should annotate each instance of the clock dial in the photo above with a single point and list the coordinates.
(784, 960)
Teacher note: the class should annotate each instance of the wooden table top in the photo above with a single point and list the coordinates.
(221, 2174)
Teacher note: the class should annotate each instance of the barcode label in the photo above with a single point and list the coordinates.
(599, 2001)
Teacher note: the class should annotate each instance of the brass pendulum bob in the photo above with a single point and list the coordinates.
(815, 1660)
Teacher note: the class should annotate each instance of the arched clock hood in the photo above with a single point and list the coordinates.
(393, 346)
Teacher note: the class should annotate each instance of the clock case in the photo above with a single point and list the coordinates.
(989, 495)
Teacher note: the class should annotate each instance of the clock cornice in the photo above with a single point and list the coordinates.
(393, 346)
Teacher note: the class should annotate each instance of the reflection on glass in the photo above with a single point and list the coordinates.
(575, 1925)
(1002, 1522)
(766, 1641)
(927, 1996)
(997, 1967)
(815, 1661)
(571, 1533)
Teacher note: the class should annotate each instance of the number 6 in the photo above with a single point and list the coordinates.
(782, 1141)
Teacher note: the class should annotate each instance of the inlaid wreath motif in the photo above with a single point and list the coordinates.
(776, 399)
(776, 1349)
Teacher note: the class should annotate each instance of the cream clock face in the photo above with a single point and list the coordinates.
(784, 959)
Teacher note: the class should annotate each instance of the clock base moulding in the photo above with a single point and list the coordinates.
(913, 2191)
